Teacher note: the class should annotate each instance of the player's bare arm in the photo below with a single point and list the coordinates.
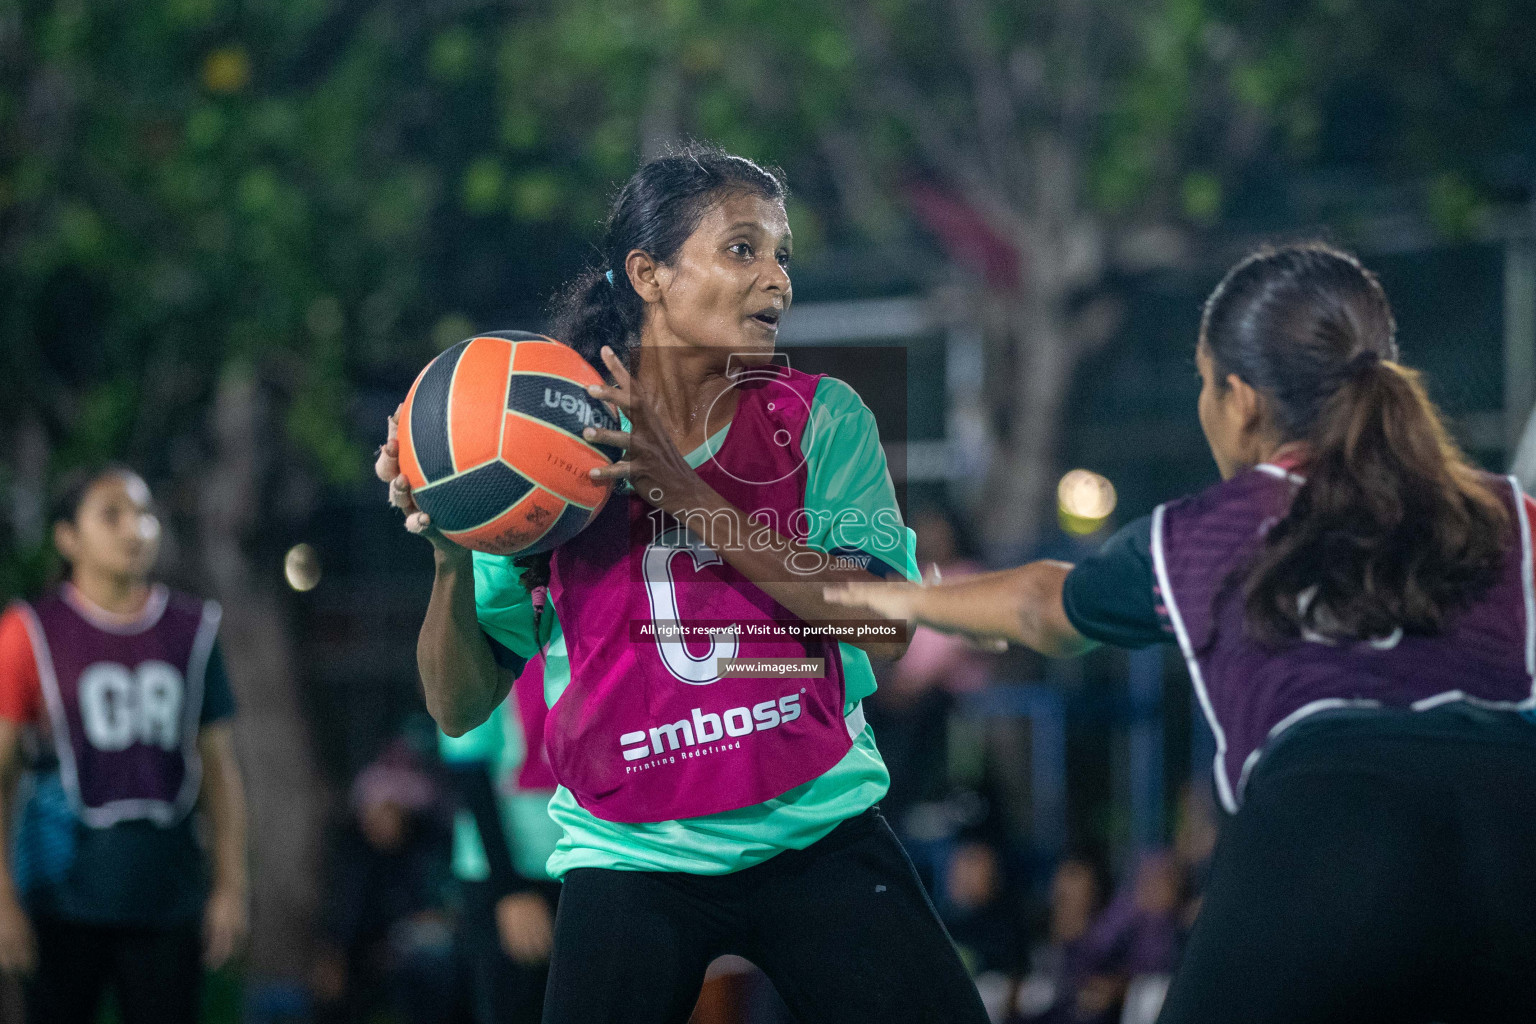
(1021, 606)
(18, 947)
(459, 675)
(226, 921)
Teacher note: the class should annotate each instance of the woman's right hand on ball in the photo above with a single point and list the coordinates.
(387, 468)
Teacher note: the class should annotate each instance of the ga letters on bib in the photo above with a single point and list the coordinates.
(122, 701)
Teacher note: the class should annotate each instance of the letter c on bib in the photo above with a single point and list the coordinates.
(661, 590)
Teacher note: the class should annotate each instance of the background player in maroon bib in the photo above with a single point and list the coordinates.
(114, 688)
(1357, 607)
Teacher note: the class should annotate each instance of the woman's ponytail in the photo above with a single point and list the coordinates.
(589, 313)
(1392, 529)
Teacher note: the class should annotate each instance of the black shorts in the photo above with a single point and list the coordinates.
(1382, 868)
(155, 973)
(843, 928)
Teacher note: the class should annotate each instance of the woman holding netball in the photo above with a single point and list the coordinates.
(113, 693)
(1358, 611)
(705, 814)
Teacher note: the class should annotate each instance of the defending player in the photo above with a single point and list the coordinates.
(701, 814)
(115, 688)
(1358, 610)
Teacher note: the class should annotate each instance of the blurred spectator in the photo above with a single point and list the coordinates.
(910, 710)
(1138, 935)
(1049, 994)
(387, 940)
(1113, 964)
(503, 836)
(1194, 840)
(984, 920)
(977, 908)
(936, 659)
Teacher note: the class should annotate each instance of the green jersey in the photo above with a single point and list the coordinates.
(849, 498)
(530, 833)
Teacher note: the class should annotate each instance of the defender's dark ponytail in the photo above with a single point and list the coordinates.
(1392, 528)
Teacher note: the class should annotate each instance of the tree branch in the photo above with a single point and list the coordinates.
(997, 117)
(853, 177)
(939, 144)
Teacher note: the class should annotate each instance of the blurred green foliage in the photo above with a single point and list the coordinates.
(319, 195)
(316, 192)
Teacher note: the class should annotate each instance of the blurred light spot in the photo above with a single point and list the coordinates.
(259, 191)
(1084, 500)
(226, 70)
(302, 567)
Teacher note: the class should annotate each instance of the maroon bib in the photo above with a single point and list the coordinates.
(1251, 692)
(649, 729)
(125, 702)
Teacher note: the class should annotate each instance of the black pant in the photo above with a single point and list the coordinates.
(1381, 868)
(843, 929)
(156, 973)
(496, 989)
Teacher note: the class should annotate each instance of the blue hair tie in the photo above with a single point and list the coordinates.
(609, 276)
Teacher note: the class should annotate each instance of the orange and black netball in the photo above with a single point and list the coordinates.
(490, 441)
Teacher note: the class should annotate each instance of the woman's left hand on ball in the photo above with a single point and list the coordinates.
(652, 464)
(386, 466)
